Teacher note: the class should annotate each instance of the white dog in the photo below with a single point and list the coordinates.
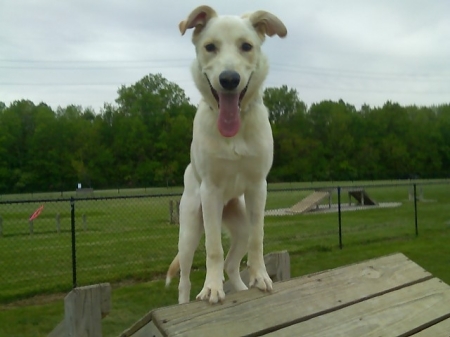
(231, 151)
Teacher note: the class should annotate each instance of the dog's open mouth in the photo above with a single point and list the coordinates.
(229, 104)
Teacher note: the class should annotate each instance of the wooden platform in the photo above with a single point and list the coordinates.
(388, 296)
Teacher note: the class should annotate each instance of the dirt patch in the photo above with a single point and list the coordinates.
(35, 300)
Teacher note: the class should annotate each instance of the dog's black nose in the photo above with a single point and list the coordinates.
(229, 79)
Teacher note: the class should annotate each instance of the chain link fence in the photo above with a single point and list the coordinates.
(78, 241)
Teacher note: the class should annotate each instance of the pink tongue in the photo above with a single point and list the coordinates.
(229, 119)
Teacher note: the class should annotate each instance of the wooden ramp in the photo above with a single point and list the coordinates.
(361, 197)
(309, 202)
(388, 296)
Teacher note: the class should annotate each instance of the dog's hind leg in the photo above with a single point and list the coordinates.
(235, 220)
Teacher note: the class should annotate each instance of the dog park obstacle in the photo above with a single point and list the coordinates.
(278, 267)
(361, 196)
(387, 296)
(84, 309)
(311, 201)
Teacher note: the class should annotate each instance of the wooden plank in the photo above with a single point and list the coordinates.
(278, 267)
(105, 298)
(398, 313)
(149, 330)
(59, 330)
(309, 202)
(84, 308)
(97, 298)
(441, 329)
(145, 320)
(254, 312)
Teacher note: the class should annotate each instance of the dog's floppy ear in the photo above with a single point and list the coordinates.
(268, 24)
(197, 19)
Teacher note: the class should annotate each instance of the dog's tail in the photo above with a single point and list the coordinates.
(174, 268)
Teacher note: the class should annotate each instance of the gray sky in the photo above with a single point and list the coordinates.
(81, 51)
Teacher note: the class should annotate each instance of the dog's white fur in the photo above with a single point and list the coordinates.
(226, 179)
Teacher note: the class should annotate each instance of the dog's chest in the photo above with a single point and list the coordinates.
(237, 149)
(240, 157)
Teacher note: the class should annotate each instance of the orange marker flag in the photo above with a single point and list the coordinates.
(36, 213)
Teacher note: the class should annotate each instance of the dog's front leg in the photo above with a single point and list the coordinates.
(255, 201)
(212, 207)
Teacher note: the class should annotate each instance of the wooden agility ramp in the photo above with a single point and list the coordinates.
(361, 196)
(388, 296)
(310, 202)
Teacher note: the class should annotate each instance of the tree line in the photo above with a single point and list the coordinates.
(143, 139)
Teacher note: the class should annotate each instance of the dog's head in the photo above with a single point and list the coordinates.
(230, 68)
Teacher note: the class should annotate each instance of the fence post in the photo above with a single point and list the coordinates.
(339, 217)
(30, 223)
(174, 211)
(415, 210)
(74, 255)
(330, 199)
(171, 211)
(58, 223)
(84, 222)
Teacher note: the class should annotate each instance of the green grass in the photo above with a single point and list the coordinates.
(130, 239)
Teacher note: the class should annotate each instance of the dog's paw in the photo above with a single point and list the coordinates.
(212, 294)
(260, 279)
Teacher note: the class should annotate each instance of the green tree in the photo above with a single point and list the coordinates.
(151, 108)
(331, 126)
(287, 116)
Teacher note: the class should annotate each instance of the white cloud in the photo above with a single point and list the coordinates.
(81, 51)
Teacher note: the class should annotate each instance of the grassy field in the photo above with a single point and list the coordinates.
(129, 243)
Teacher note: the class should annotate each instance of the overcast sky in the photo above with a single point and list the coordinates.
(80, 52)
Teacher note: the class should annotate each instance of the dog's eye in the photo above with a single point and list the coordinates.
(210, 47)
(246, 46)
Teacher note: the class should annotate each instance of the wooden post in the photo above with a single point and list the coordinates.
(58, 223)
(174, 211)
(171, 211)
(84, 222)
(84, 309)
(362, 198)
(30, 224)
(278, 267)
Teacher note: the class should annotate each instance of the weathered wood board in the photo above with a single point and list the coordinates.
(388, 296)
